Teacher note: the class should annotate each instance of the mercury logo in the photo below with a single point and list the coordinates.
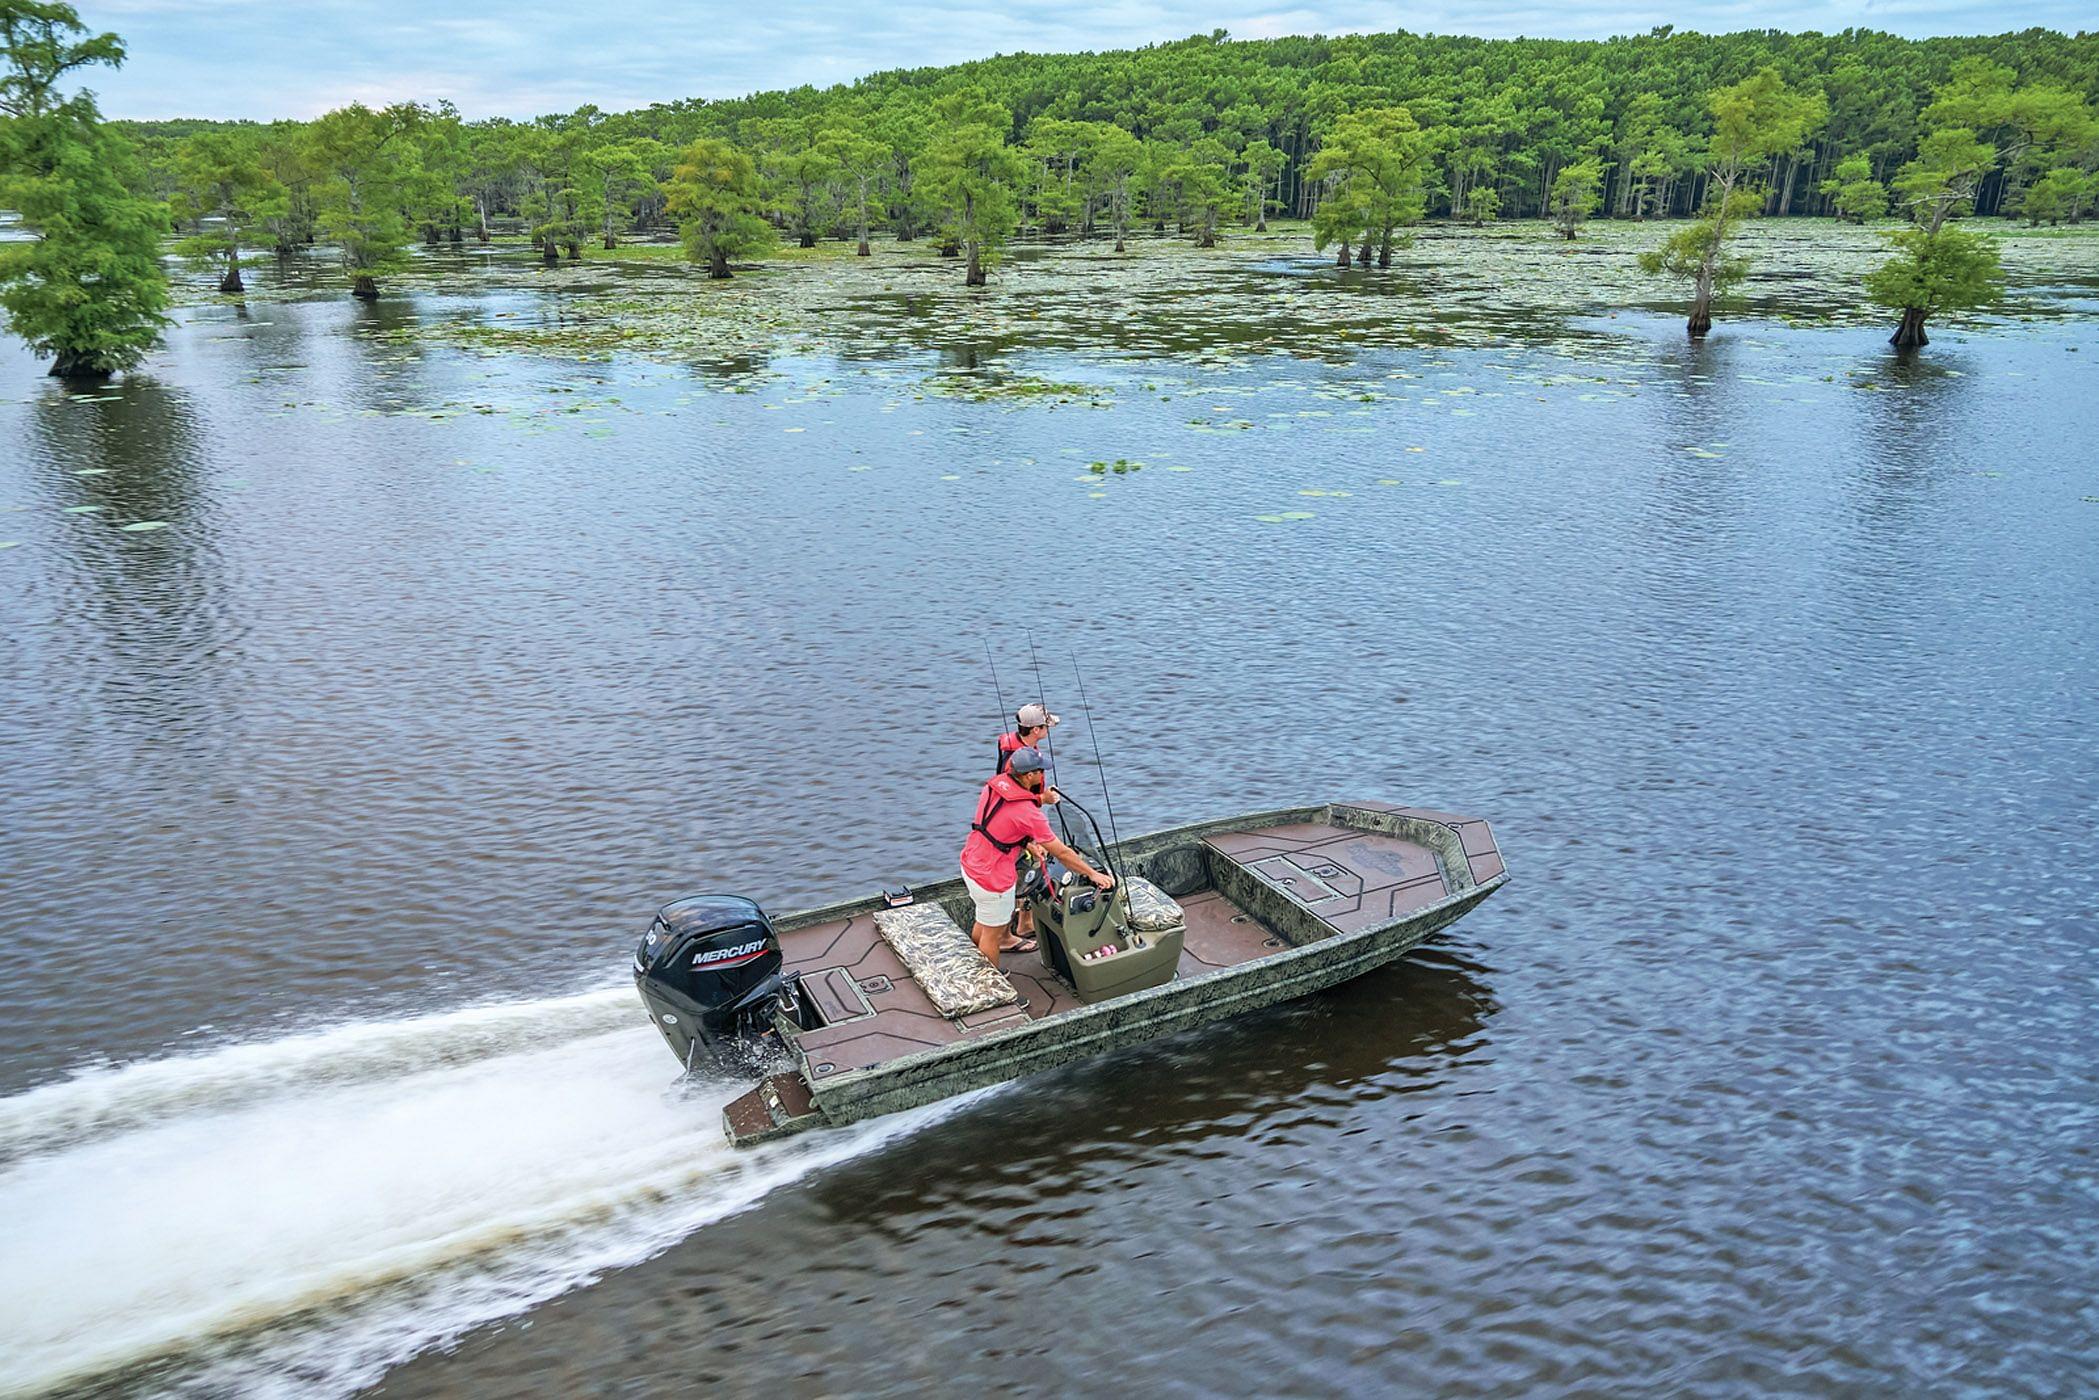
(730, 957)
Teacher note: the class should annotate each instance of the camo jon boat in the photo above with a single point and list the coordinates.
(880, 1003)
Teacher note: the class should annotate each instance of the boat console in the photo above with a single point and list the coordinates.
(1088, 938)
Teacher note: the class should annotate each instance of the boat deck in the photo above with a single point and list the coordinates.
(1351, 878)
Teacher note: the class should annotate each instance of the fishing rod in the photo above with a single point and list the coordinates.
(995, 687)
(1049, 742)
(1094, 734)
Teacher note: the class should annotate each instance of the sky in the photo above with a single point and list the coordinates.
(519, 58)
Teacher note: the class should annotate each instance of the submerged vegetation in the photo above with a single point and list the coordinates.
(1360, 140)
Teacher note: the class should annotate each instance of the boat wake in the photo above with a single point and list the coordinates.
(299, 1215)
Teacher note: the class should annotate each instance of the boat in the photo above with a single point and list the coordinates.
(881, 1003)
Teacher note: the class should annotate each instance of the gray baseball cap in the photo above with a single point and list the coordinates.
(1035, 714)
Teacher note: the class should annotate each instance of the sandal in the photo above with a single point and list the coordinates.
(1024, 945)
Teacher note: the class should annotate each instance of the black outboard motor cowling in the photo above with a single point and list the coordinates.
(708, 970)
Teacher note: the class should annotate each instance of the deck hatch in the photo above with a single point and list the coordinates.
(838, 995)
(1309, 885)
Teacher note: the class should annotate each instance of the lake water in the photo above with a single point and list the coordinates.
(473, 625)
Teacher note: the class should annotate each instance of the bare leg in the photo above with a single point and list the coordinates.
(1023, 930)
(987, 937)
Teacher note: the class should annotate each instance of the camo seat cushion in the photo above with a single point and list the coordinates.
(1151, 910)
(942, 960)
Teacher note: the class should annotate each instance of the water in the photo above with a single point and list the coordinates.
(332, 807)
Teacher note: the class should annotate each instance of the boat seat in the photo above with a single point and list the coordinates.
(942, 960)
(1151, 909)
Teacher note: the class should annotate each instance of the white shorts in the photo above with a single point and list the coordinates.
(994, 907)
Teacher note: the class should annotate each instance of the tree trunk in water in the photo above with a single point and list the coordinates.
(718, 266)
(1206, 238)
(808, 238)
(548, 253)
(1118, 241)
(455, 236)
(611, 242)
(75, 364)
(1701, 307)
(1384, 252)
(1363, 254)
(481, 214)
(230, 284)
(975, 275)
(365, 287)
(1261, 224)
(950, 249)
(575, 252)
(1910, 334)
(1342, 260)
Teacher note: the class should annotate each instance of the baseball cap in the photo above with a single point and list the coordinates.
(1035, 713)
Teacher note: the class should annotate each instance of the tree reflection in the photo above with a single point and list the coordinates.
(153, 596)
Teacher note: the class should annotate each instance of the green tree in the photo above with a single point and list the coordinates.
(1260, 165)
(565, 203)
(283, 152)
(87, 289)
(1577, 192)
(1853, 192)
(799, 173)
(434, 173)
(1111, 174)
(1375, 163)
(1192, 184)
(971, 173)
(359, 156)
(621, 173)
(718, 201)
(1482, 203)
(2057, 195)
(1754, 121)
(1934, 271)
(1935, 266)
(859, 163)
(905, 127)
(225, 180)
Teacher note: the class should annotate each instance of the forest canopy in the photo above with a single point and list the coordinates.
(1506, 116)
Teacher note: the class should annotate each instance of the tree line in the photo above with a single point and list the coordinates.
(1361, 136)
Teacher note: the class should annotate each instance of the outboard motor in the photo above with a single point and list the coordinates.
(708, 970)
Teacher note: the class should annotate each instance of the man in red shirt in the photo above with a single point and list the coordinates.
(1031, 725)
(1009, 820)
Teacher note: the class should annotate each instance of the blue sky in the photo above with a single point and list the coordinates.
(518, 58)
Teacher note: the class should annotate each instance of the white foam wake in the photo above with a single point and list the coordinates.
(106, 1097)
(270, 1219)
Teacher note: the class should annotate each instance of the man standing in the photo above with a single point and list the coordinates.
(1009, 819)
(1031, 725)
